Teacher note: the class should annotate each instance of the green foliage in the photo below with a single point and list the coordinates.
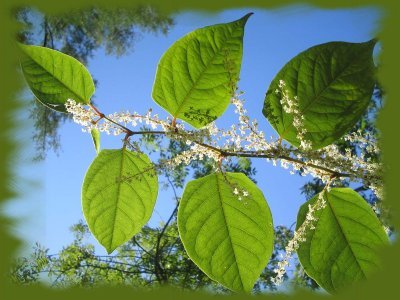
(96, 139)
(224, 221)
(54, 77)
(197, 75)
(344, 246)
(231, 240)
(118, 196)
(330, 80)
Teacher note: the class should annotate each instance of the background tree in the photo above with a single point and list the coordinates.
(80, 34)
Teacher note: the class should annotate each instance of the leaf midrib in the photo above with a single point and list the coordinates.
(183, 103)
(118, 198)
(229, 233)
(344, 236)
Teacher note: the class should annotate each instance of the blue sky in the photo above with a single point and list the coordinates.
(50, 191)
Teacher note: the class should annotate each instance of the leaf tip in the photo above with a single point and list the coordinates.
(109, 250)
(245, 18)
(371, 43)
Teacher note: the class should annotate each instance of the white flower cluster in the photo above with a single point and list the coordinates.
(244, 138)
(365, 141)
(299, 236)
(245, 135)
(361, 168)
(196, 152)
(89, 119)
(291, 106)
(80, 115)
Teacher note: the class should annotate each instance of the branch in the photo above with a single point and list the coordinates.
(361, 189)
(157, 264)
(223, 152)
(45, 32)
(140, 246)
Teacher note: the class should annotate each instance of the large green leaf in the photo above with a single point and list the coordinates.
(197, 75)
(344, 246)
(230, 239)
(118, 196)
(55, 77)
(333, 82)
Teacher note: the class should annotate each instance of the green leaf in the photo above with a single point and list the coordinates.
(198, 74)
(231, 240)
(96, 139)
(118, 196)
(334, 84)
(344, 246)
(54, 77)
